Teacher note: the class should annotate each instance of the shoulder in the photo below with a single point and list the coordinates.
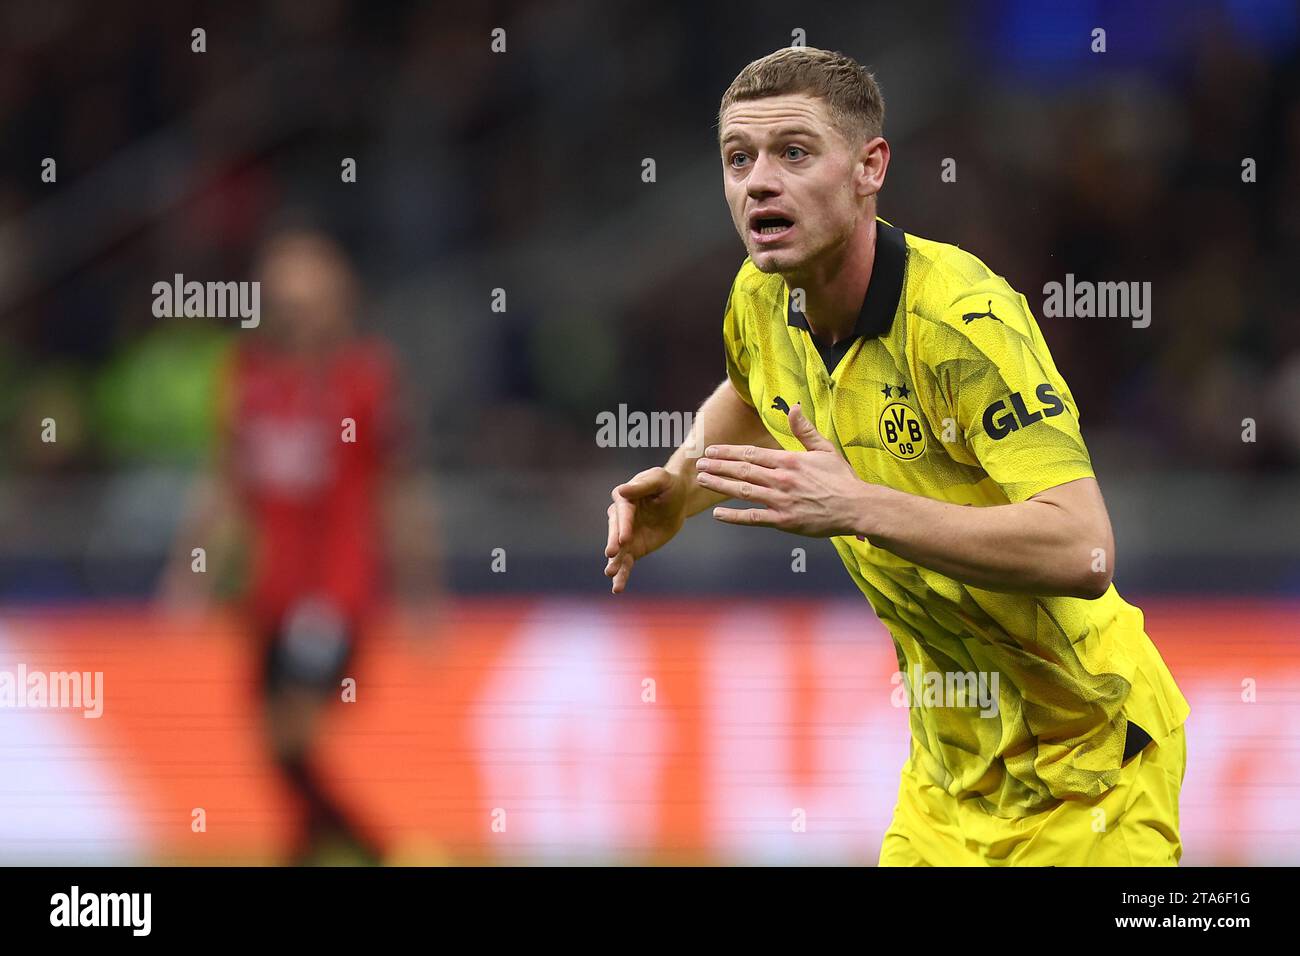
(753, 290)
(372, 353)
(247, 360)
(955, 301)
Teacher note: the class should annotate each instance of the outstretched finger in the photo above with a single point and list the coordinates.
(611, 539)
(621, 576)
(646, 483)
(762, 518)
(743, 490)
(756, 454)
(625, 510)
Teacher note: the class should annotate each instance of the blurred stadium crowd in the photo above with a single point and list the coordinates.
(522, 170)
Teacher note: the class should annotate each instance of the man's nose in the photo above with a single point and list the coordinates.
(764, 177)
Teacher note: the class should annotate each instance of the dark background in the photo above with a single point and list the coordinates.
(522, 170)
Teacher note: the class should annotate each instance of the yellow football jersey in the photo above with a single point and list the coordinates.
(947, 390)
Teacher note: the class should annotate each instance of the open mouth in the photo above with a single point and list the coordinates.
(770, 228)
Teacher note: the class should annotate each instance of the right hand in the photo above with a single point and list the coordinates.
(645, 514)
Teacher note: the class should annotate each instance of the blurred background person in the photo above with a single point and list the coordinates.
(306, 471)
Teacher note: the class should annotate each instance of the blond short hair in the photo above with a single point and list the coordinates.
(849, 90)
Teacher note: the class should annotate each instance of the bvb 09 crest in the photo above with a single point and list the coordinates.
(901, 432)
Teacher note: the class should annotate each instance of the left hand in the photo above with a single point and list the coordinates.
(814, 493)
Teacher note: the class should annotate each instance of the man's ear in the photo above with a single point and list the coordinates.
(873, 161)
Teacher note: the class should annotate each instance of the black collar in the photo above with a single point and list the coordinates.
(879, 305)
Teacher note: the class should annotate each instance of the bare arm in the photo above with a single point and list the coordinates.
(1058, 542)
(210, 521)
(647, 511)
(412, 526)
(726, 418)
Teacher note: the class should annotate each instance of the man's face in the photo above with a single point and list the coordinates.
(795, 185)
(306, 290)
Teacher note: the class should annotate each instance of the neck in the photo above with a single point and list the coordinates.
(836, 284)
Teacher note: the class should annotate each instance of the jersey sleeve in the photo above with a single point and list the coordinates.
(735, 343)
(1014, 416)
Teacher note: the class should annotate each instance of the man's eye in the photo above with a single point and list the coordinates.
(794, 149)
(737, 160)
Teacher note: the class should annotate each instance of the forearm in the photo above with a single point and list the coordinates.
(206, 523)
(724, 419)
(1033, 546)
(413, 536)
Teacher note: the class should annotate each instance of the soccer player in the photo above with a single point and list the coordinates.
(306, 466)
(895, 395)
